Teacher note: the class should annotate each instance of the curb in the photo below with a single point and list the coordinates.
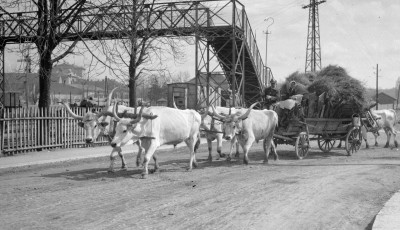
(388, 217)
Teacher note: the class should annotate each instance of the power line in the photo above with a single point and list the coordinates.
(279, 12)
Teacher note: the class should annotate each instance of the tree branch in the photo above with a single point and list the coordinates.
(63, 55)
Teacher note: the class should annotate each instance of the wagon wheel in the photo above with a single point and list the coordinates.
(353, 141)
(302, 145)
(325, 144)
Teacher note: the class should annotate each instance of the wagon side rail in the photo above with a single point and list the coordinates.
(328, 126)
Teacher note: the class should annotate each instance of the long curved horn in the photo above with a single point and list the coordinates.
(139, 116)
(110, 97)
(230, 110)
(115, 115)
(216, 114)
(173, 102)
(72, 113)
(244, 116)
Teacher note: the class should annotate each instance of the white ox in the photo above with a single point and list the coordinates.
(213, 130)
(253, 125)
(158, 126)
(102, 124)
(386, 119)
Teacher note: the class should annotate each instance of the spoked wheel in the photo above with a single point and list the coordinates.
(353, 141)
(325, 144)
(302, 145)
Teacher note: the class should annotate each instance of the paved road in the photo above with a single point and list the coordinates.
(387, 218)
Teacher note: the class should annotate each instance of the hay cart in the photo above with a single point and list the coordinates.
(324, 130)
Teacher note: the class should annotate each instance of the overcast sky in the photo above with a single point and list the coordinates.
(356, 35)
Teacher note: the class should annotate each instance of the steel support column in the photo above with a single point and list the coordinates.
(233, 70)
(2, 77)
(208, 74)
(197, 73)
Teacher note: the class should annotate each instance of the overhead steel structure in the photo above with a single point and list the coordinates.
(223, 38)
(313, 51)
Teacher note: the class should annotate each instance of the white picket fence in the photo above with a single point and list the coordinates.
(32, 129)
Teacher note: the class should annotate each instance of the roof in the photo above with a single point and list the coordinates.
(67, 65)
(216, 80)
(385, 99)
(57, 88)
(162, 100)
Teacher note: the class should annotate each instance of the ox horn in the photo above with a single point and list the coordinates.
(110, 97)
(72, 113)
(230, 110)
(244, 116)
(104, 111)
(173, 102)
(139, 116)
(115, 115)
(216, 114)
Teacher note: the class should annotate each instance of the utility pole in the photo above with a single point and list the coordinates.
(266, 47)
(377, 75)
(105, 88)
(398, 92)
(313, 50)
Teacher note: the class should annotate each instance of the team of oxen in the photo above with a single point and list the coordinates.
(152, 127)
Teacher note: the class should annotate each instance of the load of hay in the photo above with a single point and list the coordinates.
(302, 80)
(332, 93)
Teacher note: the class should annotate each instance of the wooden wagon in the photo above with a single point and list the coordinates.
(326, 131)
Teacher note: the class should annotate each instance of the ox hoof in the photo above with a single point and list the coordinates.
(222, 155)
(376, 144)
(265, 161)
(189, 169)
(237, 155)
(111, 171)
(386, 146)
(195, 164)
(228, 159)
(144, 176)
(156, 170)
(367, 146)
(209, 159)
(245, 161)
(124, 169)
(276, 158)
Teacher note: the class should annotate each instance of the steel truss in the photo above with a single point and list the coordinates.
(313, 50)
(2, 77)
(222, 33)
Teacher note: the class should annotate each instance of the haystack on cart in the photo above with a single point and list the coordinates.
(333, 106)
(326, 131)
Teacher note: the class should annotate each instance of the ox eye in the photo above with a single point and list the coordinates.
(124, 131)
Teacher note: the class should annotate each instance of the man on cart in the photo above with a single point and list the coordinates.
(270, 95)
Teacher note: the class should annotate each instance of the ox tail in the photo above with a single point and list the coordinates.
(196, 146)
(395, 117)
(276, 121)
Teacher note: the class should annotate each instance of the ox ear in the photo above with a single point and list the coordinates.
(81, 124)
(149, 116)
(104, 123)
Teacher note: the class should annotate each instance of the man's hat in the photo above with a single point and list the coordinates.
(272, 81)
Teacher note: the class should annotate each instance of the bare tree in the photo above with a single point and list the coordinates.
(141, 52)
(55, 19)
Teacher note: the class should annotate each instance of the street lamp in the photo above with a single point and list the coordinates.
(269, 22)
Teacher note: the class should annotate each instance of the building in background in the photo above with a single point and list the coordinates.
(184, 94)
(67, 85)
